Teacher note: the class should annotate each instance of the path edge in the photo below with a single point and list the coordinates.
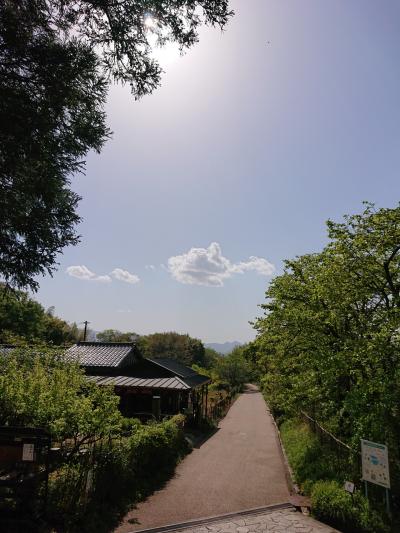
(218, 518)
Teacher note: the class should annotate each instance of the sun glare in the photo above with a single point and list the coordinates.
(149, 22)
(166, 54)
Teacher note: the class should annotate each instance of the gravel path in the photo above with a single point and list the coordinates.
(240, 467)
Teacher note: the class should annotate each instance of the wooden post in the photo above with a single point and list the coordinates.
(156, 407)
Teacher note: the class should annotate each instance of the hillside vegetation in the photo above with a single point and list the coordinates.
(329, 341)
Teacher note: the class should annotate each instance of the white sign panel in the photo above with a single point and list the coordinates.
(27, 452)
(349, 487)
(375, 463)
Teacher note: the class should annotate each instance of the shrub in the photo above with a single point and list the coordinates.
(351, 514)
(123, 471)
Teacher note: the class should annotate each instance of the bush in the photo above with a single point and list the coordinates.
(321, 475)
(351, 514)
(123, 471)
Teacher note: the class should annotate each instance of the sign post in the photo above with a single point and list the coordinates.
(375, 467)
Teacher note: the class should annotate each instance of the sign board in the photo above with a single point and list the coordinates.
(27, 452)
(349, 487)
(375, 463)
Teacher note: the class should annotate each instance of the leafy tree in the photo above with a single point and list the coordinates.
(172, 345)
(51, 110)
(329, 341)
(233, 368)
(39, 389)
(57, 59)
(113, 335)
(23, 320)
(211, 357)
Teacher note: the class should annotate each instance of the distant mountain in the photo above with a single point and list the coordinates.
(223, 348)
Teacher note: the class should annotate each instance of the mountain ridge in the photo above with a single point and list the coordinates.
(222, 347)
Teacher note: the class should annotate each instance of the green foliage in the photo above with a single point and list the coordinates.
(228, 372)
(57, 60)
(233, 369)
(124, 471)
(52, 93)
(350, 513)
(309, 460)
(173, 345)
(124, 460)
(320, 473)
(329, 341)
(24, 320)
(39, 389)
(211, 357)
(113, 335)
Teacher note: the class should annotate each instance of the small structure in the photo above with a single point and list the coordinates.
(24, 465)
(147, 387)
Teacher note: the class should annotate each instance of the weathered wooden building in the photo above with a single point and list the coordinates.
(147, 387)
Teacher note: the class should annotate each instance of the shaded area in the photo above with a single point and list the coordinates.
(239, 467)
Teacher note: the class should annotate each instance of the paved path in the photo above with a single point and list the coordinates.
(240, 467)
(284, 520)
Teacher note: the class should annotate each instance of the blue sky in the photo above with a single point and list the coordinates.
(256, 137)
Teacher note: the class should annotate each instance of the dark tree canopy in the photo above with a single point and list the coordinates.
(173, 345)
(57, 59)
(114, 335)
(24, 321)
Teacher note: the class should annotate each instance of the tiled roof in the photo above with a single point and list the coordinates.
(195, 380)
(101, 354)
(189, 376)
(152, 383)
(175, 367)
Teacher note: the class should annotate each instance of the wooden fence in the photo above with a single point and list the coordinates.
(218, 410)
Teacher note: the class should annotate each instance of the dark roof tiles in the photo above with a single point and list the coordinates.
(150, 383)
(174, 366)
(101, 354)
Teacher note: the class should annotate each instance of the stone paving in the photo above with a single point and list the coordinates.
(282, 520)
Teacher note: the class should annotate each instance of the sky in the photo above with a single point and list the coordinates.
(257, 136)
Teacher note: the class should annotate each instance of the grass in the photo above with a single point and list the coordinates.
(320, 473)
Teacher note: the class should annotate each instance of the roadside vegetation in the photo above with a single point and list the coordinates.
(320, 473)
(228, 372)
(329, 345)
(104, 463)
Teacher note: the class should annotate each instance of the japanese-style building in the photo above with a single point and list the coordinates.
(147, 387)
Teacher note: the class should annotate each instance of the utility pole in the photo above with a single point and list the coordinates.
(85, 330)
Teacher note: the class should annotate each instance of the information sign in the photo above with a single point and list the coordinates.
(375, 463)
(349, 487)
(27, 452)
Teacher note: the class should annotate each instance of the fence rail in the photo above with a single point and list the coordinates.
(317, 428)
(219, 409)
(346, 459)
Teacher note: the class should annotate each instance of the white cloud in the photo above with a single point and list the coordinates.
(124, 275)
(104, 279)
(82, 272)
(258, 264)
(207, 266)
(150, 267)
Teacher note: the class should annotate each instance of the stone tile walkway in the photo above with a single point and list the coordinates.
(282, 520)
